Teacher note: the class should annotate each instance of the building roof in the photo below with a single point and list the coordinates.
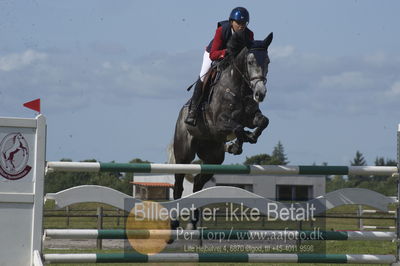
(153, 184)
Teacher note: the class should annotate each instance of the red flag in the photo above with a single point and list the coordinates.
(34, 105)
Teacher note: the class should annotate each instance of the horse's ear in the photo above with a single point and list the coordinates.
(268, 40)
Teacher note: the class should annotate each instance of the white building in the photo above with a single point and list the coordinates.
(268, 186)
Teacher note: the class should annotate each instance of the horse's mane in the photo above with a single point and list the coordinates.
(235, 45)
(238, 41)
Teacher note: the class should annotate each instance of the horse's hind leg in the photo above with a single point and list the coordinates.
(184, 152)
(209, 153)
(178, 186)
(179, 178)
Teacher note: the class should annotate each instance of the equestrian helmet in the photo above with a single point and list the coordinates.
(240, 14)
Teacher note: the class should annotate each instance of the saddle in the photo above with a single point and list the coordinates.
(211, 77)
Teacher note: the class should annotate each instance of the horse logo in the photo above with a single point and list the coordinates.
(14, 156)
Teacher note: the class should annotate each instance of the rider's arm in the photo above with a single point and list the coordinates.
(216, 52)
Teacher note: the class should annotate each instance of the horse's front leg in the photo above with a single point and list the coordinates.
(260, 122)
(227, 124)
(236, 148)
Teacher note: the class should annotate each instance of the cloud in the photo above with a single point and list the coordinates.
(281, 51)
(394, 89)
(345, 85)
(352, 80)
(76, 80)
(378, 58)
(17, 61)
(296, 81)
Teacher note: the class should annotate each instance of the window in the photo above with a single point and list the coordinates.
(247, 187)
(293, 193)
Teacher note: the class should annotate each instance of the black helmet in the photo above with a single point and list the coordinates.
(240, 14)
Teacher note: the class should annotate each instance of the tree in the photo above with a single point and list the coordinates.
(335, 182)
(358, 160)
(278, 155)
(356, 180)
(57, 181)
(260, 159)
(138, 160)
(380, 161)
(127, 178)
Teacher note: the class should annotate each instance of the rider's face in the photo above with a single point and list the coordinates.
(236, 25)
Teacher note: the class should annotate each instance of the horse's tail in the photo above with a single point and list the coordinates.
(170, 153)
(171, 159)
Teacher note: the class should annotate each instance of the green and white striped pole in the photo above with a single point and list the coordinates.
(218, 234)
(219, 257)
(220, 169)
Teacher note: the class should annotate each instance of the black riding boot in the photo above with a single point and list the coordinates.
(194, 103)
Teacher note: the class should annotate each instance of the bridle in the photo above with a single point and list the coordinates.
(246, 78)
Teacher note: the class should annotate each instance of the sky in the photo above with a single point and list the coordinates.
(112, 75)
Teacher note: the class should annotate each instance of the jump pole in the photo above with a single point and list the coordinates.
(220, 257)
(220, 169)
(217, 234)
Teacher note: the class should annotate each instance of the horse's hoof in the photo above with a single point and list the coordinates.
(236, 149)
(191, 226)
(229, 148)
(251, 138)
(174, 225)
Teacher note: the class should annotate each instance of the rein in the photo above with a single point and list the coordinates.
(248, 80)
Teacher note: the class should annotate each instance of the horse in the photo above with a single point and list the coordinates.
(233, 105)
(17, 146)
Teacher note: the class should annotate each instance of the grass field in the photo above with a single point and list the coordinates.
(331, 247)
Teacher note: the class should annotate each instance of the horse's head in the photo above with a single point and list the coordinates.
(254, 60)
(17, 137)
(257, 67)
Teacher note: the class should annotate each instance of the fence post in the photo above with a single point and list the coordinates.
(300, 228)
(99, 225)
(360, 221)
(118, 214)
(200, 221)
(67, 212)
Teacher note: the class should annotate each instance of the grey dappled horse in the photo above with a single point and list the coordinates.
(232, 107)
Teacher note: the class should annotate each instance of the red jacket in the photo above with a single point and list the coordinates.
(217, 48)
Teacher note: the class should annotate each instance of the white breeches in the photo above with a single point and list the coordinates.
(206, 65)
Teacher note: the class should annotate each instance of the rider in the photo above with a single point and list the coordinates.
(216, 50)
